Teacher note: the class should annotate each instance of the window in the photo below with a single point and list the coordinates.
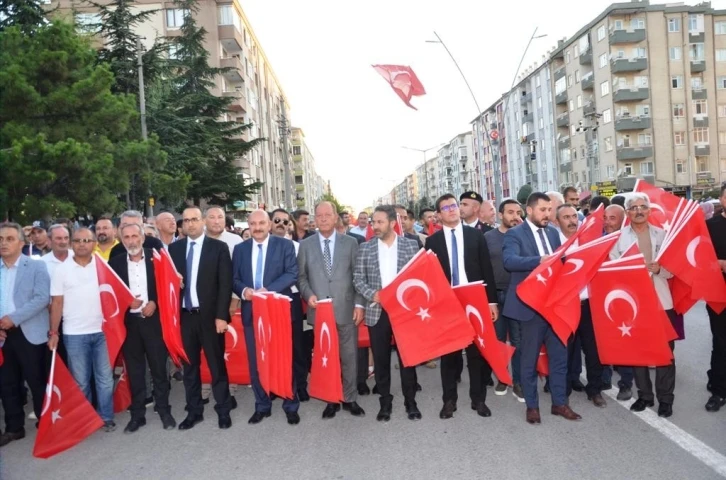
(541, 123)
(601, 32)
(607, 116)
(674, 25)
(637, 23)
(680, 166)
(695, 23)
(675, 53)
(569, 81)
(296, 150)
(677, 81)
(174, 55)
(642, 110)
(700, 135)
(572, 105)
(645, 139)
(702, 164)
(175, 17)
(618, 24)
(696, 83)
(611, 172)
(608, 144)
(573, 130)
(720, 28)
(604, 88)
(537, 81)
(603, 60)
(567, 57)
(697, 51)
(700, 107)
(560, 86)
(88, 23)
(641, 82)
(628, 169)
(721, 110)
(679, 138)
(227, 15)
(722, 138)
(721, 83)
(640, 52)
(721, 54)
(678, 110)
(577, 51)
(577, 76)
(579, 101)
(539, 102)
(624, 141)
(646, 168)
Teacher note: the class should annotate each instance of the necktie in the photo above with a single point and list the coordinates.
(190, 265)
(258, 269)
(544, 242)
(326, 257)
(454, 260)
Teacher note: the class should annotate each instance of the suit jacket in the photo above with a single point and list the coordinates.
(120, 265)
(149, 243)
(483, 227)
(520, 256)
(367, 274)
(214, 279)
(358, 238)
(477, 263)
(415, 238)
(314, 280)
(280, 271)
(31, 296)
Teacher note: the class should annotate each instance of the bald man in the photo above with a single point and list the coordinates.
(166, 224)
(614, 217)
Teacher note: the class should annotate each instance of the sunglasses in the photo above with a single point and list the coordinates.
(279, 220)
(83, 240)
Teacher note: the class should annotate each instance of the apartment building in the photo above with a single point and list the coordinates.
(309, 186)
(427, 180)
(455, 165)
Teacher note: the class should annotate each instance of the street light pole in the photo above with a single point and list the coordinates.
(142, 113)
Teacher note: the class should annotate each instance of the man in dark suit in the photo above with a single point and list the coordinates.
(525, 247)
(464, 257)
(206, 272)
(265, 263)
(340, 228)
(469, 207)
(132, 216)
(144, 341)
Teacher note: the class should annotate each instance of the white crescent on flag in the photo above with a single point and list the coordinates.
(691, 250)
(261, 333)
(57, 391)
(621, 295)
(411, 283)
(174, 302)
(233, 332)
(471, 310)
(578, 263)
(105, 287)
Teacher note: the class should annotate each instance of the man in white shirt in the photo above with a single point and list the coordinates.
(76, 298)
(362, 226)
(60, 239)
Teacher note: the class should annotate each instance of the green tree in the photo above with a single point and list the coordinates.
(27, 15)
(524, 192)
(329, 197)
(423, 202)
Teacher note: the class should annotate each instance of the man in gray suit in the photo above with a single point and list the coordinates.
(379, 261)
(325, 262)
(24, 299)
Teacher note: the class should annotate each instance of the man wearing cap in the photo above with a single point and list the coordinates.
(39, 244)
(469, 206)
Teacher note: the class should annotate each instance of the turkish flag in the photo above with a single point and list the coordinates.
(326, 381)
(281, 345)
(426, 317)
(433, 228)
(473, 299)
(122, 392)
(681, 294)
(67, 417)
(403, 81)
(543, 363)
(592, 227)
(369, 232)
(116, 299)
(168, 286)
(663, 205)
(629, 321)
(235, 355)
(398, 227)
(633, 249)
(263, 331)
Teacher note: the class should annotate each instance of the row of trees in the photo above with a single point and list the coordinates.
(70, 130)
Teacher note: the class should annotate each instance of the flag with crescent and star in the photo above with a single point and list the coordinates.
(326, 381)
(263, 331)
(281, 345)
(473, 299)
(235, 355)
(116, 299)
(67, 417)
(122, 391)
(543, 362)
(427, 319)
(663, 205)
(402, 80)
(168, 286)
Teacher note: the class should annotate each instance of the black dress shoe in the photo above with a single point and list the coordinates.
(448, 410)
(715, 403)
(577, 386)
(354, 409)
(225, 421)
(303, 395)
(330, 410)
(418, 387)
(8, 437)
(413, 412)
(641, 405)
(375, 389)
(134, 425)
(363, 389)
(384, 414)
(257, 417)
(292, 418)
(665, 410)
(178, 376)
(190, 421)
(168, 422)
(481, 409)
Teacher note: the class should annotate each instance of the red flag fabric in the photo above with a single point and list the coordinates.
(426, 317)
(281, 342)
(543, 363)
(681, 294)
(369, 232)
(629, 321)
(67, 417)
(235, 355)
(473, 299)
(663, 204)
(403, 81)
(122, 392)
(433, 228)
(398, 228)
(326, 381)
(168, 286)
(592, 227)
(116, 299)
(2, 357)
(364, 337)
(263, 331)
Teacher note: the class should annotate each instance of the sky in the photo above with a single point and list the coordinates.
(354, 124)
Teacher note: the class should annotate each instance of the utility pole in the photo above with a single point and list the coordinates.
(593, 150)
(284, 131)
(142, 110)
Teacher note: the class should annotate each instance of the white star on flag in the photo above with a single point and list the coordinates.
(262, 353)
(423, 313)
(55, 415)
(540, 278)
(226, 357)
(481, 341)
(325, 360)
(625, 330)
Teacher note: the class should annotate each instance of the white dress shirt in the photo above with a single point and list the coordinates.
(459, 234)
(51, 261)
(584, 295)
(388, 261)
(535, 229)
(472, 224)
(137, 281)
(255, 254)
(192, 276)
(8, 274)
(359, 231)
(231, 239)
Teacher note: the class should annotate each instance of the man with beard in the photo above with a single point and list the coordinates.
(132, 216)
(105, 238)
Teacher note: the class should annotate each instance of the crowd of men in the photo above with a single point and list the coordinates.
(50, 299)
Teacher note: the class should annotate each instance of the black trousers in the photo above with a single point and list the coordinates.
(586, 334)
(145, 343)
(480, 372)
(363, 365)
(665, 377)
(24, 363)
(718, 354)
(201, 333)
(300, 357)
(381, 334)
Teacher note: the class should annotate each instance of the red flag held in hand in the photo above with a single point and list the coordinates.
(67, 417)
(235, 355)
(398, 227)
(663, 205)
(403, 81)
(263, 331)
(369, 232)
(543, 363)
(122, 392)
(326, 381)
(168, 286)
(116, 299)
(473, 298)
(272, 322)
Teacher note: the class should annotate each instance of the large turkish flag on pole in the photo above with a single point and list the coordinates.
(67, 417)
(426, 317)
(168, 286)
(116, 299)
(326, 381)
(403, 81)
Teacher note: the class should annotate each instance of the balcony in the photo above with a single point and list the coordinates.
(700, 121)
(703, 150)
(631, 94)
(529, 138)
(588, 81)
(563, 120)
(528, 117)
(564, 142)
(698, 66)
(589, 108)
(627, 122)
(300, 188)
(699, 93)
(565, 167)
(561, 98)
(618, 65)
(238, 103)
(634, 153)
(586, 57)
(559, 73)
(235, 68)
(696, 37)
(231, 38)
(623, 36)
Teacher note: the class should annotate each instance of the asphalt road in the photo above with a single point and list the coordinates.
(610, 442)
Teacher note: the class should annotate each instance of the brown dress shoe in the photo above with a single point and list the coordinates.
(598, 400)
(565, 411)
(533, 417)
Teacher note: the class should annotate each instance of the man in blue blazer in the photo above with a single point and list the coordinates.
(264, 264)
(525, 247)
(24, 299)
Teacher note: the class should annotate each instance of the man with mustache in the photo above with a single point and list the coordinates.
(105, 238)
(133, 216)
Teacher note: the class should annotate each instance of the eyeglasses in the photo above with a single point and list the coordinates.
(192, 220)
(83, 240)
(638, 208)
(279, 220)
(450, 208)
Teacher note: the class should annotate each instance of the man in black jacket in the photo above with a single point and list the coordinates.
(132, 216)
